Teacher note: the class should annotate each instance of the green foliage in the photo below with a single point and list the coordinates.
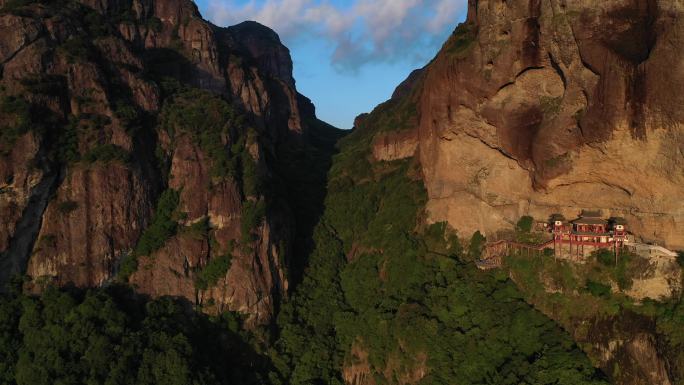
(670, 326)
(209, 120)
(303, 170)
(625, 270)
(252, 184)
(308, 322)
(617, 221)
(10, 338)
(563, 286)
(128, 114)
(199, 230)
(528, 271)
(16, 6)
(550, 106)
(525, 224)
(13, 5)
(556, 217)
(476, 245)
(50, 85)
(531, 238)
(605, 257)
(108, 337)
(439, 238)
(163, 224)
(163, 227)
(461, 40)
(125, 15)
(18, 106)
(214, 270)
(76, 49)
(155, 24)
(378, 287)
(67, 207)
(375, 214)
(67, 146)
(15, 121)
(557, 161)
(95, 24)
(598, 289)
(127, 266)
(252, 215)
(106, 153)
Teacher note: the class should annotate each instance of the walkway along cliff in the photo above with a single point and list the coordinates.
(533, 107)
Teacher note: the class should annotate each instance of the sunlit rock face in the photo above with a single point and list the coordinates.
(536, 107)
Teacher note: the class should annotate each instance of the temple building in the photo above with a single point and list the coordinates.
(590, 232)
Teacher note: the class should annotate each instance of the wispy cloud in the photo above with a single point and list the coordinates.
(364, 32)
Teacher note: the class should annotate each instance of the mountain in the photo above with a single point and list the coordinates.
(174, 212)
(538, 107)
(143, 144)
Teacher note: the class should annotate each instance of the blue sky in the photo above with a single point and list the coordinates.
(348, 55)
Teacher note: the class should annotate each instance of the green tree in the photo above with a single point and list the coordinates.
(525, 224)
(598, 289)
(164, 225)
(110, 337)
(556, 217)
(215, 269)
(476, 245)
(605, 257)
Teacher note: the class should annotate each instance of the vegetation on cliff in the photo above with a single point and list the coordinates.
(110, 336)
(164, 225)
(386, 298)
(383, 296)
(578, 295)
(16, 120)
(209, 120)
(380, 296)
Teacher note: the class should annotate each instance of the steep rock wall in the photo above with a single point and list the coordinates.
(535, 107)
(73, 220)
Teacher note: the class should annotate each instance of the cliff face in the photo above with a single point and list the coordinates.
(87, 149)
(540, 107)
(535, 107)
(625, 348)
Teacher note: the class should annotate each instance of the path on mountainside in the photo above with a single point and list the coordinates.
(494, 252)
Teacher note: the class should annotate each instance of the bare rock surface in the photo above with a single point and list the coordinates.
(536, 107)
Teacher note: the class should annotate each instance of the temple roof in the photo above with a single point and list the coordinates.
(590, 221)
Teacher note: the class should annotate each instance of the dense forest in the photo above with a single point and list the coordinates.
(362, 288)
(381, 295)
(410, 300)
(387, 298)
(111, 336)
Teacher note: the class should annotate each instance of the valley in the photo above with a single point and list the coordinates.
(175, 212)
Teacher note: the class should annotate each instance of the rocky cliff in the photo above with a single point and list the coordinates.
(535, 107)
(139, 143)
(540, 107)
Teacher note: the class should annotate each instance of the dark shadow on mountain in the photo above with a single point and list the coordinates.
(152, 339)
(303, 169)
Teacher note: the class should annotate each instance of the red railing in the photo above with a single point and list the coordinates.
(587, 243)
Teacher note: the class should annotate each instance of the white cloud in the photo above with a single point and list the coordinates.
(365, 31)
